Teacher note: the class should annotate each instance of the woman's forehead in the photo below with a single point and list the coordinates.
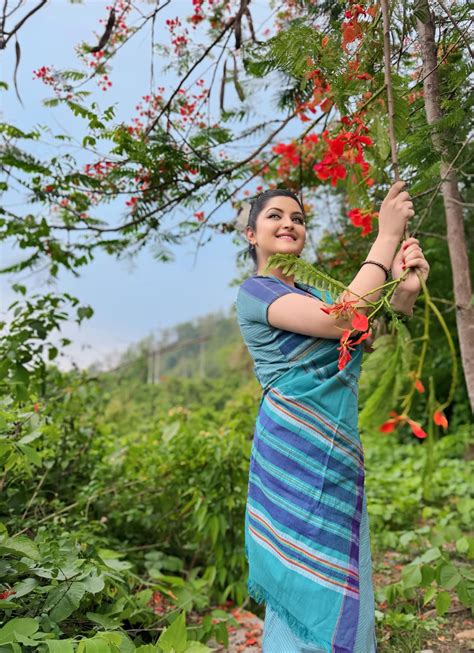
(283, 203)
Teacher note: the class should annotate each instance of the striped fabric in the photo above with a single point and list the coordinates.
(306, 511)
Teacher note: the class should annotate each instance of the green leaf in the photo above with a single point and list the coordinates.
(382, 139)
(22, 626)
(428, 575)
(60, 645)
(431, 554)
(383, 377)
(104, 620)
(443, 601)
(24, 587)
(7, 603)
(31, 454)
(30, 437)
(94, 583)
(173, 639)
(449, 576)
(197, 647)
(411, 576)
(429, 594)
(462, 545)
(20, 545)
(65, 599)
(95, 645)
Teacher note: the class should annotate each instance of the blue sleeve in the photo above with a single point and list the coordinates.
(255, 296)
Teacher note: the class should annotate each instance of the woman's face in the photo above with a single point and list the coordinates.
(280, 229)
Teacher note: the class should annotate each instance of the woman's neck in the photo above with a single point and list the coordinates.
(276, 272)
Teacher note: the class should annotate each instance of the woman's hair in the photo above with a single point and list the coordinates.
(259, 203)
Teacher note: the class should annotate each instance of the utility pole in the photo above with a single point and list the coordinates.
(202, 359)
(155, 353)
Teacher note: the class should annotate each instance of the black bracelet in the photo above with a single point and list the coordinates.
(380, 266)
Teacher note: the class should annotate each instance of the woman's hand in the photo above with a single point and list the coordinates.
(395, 211)
(410, 256)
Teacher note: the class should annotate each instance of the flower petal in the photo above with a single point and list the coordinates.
(388, 426)
(439, 419)
(360, 322)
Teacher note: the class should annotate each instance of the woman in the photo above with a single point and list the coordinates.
(306, 526)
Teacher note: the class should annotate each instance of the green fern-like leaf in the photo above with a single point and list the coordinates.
(384, 376)
(302, 271)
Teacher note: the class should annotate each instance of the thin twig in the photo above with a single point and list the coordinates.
(456, 25)
(389, 87)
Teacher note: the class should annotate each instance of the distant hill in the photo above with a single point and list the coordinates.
(208, 347)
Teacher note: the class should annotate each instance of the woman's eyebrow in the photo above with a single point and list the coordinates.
(275, 208)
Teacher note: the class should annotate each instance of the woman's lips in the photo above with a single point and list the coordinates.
(285, 237)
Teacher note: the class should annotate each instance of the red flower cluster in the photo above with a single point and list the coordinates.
(321, 90)
(4, 595)
(351, 28)
(362, 218)
(51, 77)
(44, 73)
(346, 148)
(179, 35)
(289, 157)
(359, 322)
(347, 345)
(158, 603)
(120, 31)
(395, 419)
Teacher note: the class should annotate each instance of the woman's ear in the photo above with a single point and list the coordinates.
(250, 235)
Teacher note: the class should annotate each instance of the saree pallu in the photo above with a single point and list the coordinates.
(306, 535)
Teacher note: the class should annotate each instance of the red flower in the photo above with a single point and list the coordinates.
(439, 419)
(388, 426)
(416, 429)
(360, 322)
(345, 348)
(344, 354)
(6, 594)
(419, 385)
(289, 151)
(330, 168)
(343, 308)
(391, 424)
(362, 218)
(199, 215)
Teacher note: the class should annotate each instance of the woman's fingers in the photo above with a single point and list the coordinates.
(395, 189)
(410, 252)
(404, 195)
(408, 242)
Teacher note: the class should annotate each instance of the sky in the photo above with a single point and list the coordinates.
(131, 299)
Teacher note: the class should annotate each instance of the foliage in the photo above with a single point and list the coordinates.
(118, 519)
(122, 503)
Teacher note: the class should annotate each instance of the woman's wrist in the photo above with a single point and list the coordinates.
(403, 301)
(389, 240)
(383, 250)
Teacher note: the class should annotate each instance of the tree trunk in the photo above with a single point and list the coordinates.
(452, 201)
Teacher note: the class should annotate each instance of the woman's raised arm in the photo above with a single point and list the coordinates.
(294, 312)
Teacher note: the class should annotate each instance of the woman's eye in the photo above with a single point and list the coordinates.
(300, 220)
(273, 215)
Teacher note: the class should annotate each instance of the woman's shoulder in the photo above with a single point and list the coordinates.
(256, 283)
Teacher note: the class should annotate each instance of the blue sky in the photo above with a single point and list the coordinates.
(131, 299)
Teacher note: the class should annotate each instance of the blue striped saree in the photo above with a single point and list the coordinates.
(306, 503)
